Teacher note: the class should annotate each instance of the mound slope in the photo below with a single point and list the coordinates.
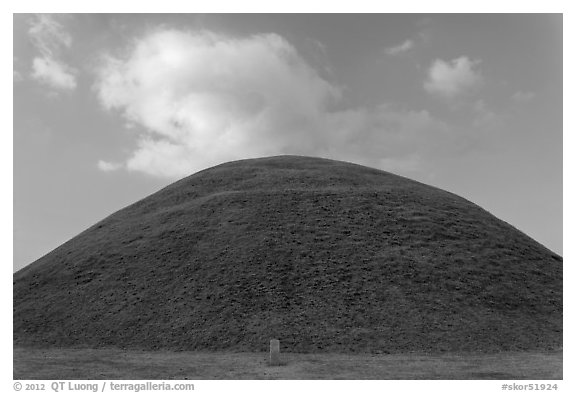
(324, 255)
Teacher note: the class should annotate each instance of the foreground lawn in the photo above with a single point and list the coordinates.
(32, 363)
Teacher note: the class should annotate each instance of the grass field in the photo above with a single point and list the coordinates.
(31, 363)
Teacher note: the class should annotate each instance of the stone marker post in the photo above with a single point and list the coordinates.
(274, 352)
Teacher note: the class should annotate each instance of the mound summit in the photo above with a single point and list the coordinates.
(325, 255)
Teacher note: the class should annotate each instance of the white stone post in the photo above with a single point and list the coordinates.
(274, 352)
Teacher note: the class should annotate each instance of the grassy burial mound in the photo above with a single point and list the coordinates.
(325, 255)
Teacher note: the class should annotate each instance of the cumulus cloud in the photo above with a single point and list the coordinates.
(107, 166)
(453, 78)
(53, 73)
(196, 99)
(403, 47)
(203, 98)
(50, 39)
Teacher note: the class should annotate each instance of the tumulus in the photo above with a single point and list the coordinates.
(325, 255)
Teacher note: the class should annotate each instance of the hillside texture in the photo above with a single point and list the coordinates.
(324, 255)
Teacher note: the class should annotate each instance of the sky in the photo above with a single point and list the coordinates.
(108, 109)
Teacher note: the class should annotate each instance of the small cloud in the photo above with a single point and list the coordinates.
(483, 116)
(106, 166)
(53, 73)
(17, 74)
(409, 164)
(17, 77)
(319, 56)
(48, 35)
(523, 96)
(452, 78)
(321, 47)
(403, 47)
(50, 38)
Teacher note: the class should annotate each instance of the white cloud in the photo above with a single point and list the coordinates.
(403, 47)
(408, 164)
(17, 75)
(386, 137)
(450, 79)
(53, 73)
(48, 35)
(203, 98)
(200, 99)
(50, 38)
(106, 166)
(483, 116)
(523, 96)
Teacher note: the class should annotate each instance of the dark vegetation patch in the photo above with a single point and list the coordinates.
(324, 255)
